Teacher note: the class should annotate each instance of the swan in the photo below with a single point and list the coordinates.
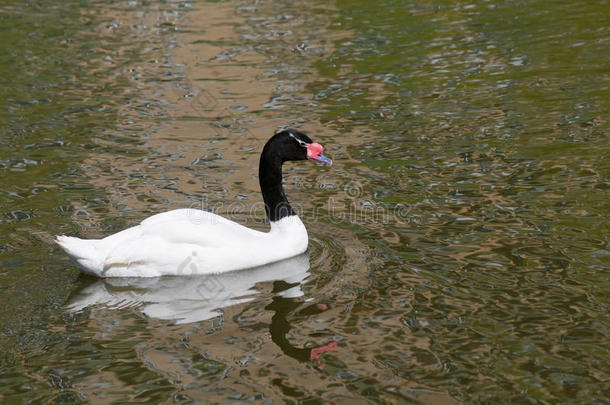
(187, 241)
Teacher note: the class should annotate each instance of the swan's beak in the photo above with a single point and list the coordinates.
(314, 152)
(323, 159)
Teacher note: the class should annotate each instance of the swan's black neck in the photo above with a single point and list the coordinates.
(270, 179)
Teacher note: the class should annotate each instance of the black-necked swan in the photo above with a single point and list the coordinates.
(188, 241)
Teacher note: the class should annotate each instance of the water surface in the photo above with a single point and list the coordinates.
(458, 245)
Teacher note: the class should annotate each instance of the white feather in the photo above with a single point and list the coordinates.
(186, 242)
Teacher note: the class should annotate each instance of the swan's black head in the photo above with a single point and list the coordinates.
(294, 145)
(283, 146)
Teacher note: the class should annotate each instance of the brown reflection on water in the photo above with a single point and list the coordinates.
(451, 253)
(203, 111)
(212, 85)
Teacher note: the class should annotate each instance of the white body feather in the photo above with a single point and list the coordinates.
(186, 242)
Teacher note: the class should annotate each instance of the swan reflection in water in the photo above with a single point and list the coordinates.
(187, 299)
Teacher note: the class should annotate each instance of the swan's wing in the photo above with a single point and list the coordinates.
(186, 225)
(183, 241)
(198, 227)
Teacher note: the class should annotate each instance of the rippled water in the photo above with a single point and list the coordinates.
(458, 246)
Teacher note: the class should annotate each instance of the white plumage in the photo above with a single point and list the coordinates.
(185, 242)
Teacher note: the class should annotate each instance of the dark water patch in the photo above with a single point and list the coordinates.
(56, 102)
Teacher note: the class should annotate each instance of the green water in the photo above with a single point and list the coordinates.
(458, 245)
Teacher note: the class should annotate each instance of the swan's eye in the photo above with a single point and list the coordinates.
(302, 143)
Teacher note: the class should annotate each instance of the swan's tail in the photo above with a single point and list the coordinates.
(84, 252)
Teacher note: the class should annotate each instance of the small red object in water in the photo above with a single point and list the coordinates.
(317, 351)
(322, 307)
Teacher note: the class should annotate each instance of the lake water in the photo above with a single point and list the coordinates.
(458, 245)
